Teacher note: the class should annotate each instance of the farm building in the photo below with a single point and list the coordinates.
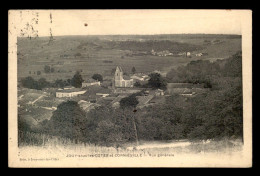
(69, 93)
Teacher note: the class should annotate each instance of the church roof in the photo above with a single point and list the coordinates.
(126, 77)
(120, 69)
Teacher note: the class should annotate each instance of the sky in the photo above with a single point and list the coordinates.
(123, 22)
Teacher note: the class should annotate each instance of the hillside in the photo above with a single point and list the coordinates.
(100, 54)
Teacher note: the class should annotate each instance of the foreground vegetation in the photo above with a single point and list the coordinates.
(31, 141)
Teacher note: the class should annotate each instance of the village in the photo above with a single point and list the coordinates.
(164, 53)
(38, 105)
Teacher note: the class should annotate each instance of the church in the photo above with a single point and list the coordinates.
(119, 80)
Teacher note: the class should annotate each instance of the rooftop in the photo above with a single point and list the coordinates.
(70, 90)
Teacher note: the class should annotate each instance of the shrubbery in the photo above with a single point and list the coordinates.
(30, 83)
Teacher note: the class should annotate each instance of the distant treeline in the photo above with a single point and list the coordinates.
(42, 83)
(30, 83)
(166, 36)
(148, 45)
(206, 72)
(157, 45)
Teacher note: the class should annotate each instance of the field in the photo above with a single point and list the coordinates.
(101, 54)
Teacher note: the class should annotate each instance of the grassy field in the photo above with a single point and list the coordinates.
(34, 54)
(43, 140)
(210, 153)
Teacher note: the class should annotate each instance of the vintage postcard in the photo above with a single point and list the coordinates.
(130, 88)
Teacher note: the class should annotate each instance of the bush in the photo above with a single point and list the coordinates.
(156, 81)
(47, 69)
(38, 72)
(137, 84)
(130, 101)
(68, 121)
(77, 80)
(97, 77)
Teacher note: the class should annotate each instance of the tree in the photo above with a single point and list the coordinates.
(69, 81)
(52, 69)
(130, 101)
(77, 80)
(172, 76)
(59, 83)
(137, 84)
(113, 71)
(29, 82)
(77, 54)
(156, 81)
(38, 72)
(97, 77)
(68, 121)
(47, 69)
(42, 83)
(133, 70)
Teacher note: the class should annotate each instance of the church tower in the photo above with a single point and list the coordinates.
(118, 77)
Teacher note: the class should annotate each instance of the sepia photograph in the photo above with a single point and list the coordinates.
(130, 88)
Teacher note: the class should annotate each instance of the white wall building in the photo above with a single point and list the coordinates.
(69, 93)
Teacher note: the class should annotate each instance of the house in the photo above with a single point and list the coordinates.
(188, 94)
(186, 54)
(119, 80)
(134, 77)
(162, 73)
(102, 94)
(164, 53)
(199, 54)
(159, 92)
(90, 82)
(68, 87)
(87, 106)
(182, 53)
(153, 52)
(69, 93)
